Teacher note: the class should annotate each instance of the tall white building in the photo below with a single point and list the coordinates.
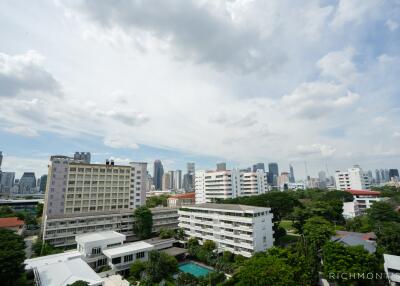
(237, 228)
(352, 179)
(212, 185)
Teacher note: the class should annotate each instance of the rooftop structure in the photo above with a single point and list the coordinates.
(392, 268)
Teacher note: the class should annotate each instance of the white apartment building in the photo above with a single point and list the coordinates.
(212, 185)
(82, 197)
(237, 228)
(352, 179)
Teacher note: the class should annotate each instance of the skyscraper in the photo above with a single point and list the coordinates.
(158, 173)
(377, 177)
(273, 173)
(7, 181)
(188, 178)
(1, 158)
(27, 182)
(190, 168)
(177, 182)
(43, 181)
(393, 173)
(166, 181)
(82, 156)
(291, 174)
(258, 166)
(221, 166)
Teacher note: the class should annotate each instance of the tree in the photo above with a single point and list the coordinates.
(39, 210)
(359, 224)
(136, 269)
(79, 283)
(156, 201)
(12, 256)
(317, 231)
(337, 196)
(41, 249)
(263, 269)
(339, 261)
(179, 234)
(186, 279)
(388, 237)
(143, 222)
(159, 266)
(382, 212)
(212, 279)
(209, 245)
(166, 233)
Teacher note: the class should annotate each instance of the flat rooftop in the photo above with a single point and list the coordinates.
(127, 248)
(392, 261)
(98, 236)
(227, 207)
(67, 272)
(51, 259)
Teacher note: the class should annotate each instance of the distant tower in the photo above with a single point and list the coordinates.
(291, 176)
(258, 166)
(1, 158)
(273, 173)
(221, 166)
(158, 172)
(190, 168)
(82, 156)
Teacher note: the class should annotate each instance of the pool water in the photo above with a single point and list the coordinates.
(194, 269)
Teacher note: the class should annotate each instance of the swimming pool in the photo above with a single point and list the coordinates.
(194, 269)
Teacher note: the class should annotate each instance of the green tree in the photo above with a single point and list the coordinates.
(79, 283)
(339, 261)
(263, 269)
(159, 266)
(12, 256)
(209, 245)
(136, 269)
(388, 237)
(156, 201)
(186, 279)
(179, 234)
(42, 249)
(166, 233)
(39, 210)
(143, 222)
(6, 211)
(382, 212)
(359, 224)
(212, 279)
(318, 230)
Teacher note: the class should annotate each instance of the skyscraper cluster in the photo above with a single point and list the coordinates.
(173, 180)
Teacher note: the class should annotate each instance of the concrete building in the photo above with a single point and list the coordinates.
(177, 180)
(273, 173)
(166, 182)
(180, 200)
(258, 166)
(158, 172)
(392, 269)
(27, 183)
(352, 179)
(221, 166)
(213, 185)
(292, 179)
(7, 182)
(237, 228)
(12, 223)
(22, 205)
(83, 157)
(42, 183)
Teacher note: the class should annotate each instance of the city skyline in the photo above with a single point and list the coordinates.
(209, 91)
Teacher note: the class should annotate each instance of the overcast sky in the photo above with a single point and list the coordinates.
(204, 81)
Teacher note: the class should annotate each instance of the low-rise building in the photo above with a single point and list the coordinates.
(237, 228)
(348, 238)
(181, 200)
(362, 200)
(392, 269)
(12, 223)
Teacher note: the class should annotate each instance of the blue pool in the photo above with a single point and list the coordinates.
(194, 269)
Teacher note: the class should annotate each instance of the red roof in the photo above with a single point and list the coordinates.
(184, 196)
(364, 192)
(11, 222)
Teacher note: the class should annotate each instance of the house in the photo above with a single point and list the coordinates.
(392, 268)
(362, 200)
(348, 238)
(181, 200)
(12, 223)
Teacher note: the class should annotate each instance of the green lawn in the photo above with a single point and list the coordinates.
(287, 225)
(288, 239)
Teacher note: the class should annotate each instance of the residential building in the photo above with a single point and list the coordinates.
(392, 269)
(83, 157)
(283, 180)
(158, 172)
(27, 182)
(180, 200)
(12, 223)
(237, 228)
(273, 173)
(354, 178)
(362, 200)
(213, 185)
(348, 238)
(221, 166)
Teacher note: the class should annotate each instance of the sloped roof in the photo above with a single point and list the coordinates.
(11, 222)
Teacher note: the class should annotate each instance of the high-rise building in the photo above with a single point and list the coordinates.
(283, 180)
(221, 166)
(85, 194)
(158, 172)
(166, 181)
(322, 179)
(292, 179)
(42, 184)
(352, 179)
(191, 168)
(84, 157)
(188, 182)
(377, 177)
(258, 166)
(213, 185)
(27, 183)
(393, 173)
(273, 173)
(1, 158)
(7, 181)
(177, 180)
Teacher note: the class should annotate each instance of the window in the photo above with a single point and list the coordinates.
(96, 250)
(128, 258)
(140, 255)
(116, 260)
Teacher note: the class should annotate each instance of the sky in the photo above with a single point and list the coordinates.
(245, 81)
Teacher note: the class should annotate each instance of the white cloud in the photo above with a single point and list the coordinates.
(354, 11)
(392, 25)
(316, 149)
(396, 134)
(22, 130)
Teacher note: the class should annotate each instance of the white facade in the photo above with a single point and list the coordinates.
(392, 268)
(212, 185)
(352, 179)
(236, 228)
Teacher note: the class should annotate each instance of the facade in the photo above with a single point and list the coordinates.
(258, 166)
(177, 180)
(84, 157)
(273, 173)
(180, 200)
(158, 172)
(27, 182)
(221, 166)
(7, 182)
(213, 185)
(393, 174)
(392, 269)
(42, 183)
(363, 200)
(354, 178)
(237, 228)
(166, 182)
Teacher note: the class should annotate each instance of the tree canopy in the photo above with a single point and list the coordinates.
(143, 222)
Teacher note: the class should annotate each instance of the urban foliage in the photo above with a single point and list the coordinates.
(156, 201)
(143, 222)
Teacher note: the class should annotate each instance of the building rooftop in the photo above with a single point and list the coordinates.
(392, 261)
(184, 196)
(228, 207)
(364, 192)
(98, 236)
(11, 222)
(67, 272)
(127, 248)
(356, 239)
(51, 259)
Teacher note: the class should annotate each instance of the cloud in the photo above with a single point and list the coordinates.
(392, 25)
(354, 11)
(119, 141)
(316, 149)
(22, 130)
(25, 73)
